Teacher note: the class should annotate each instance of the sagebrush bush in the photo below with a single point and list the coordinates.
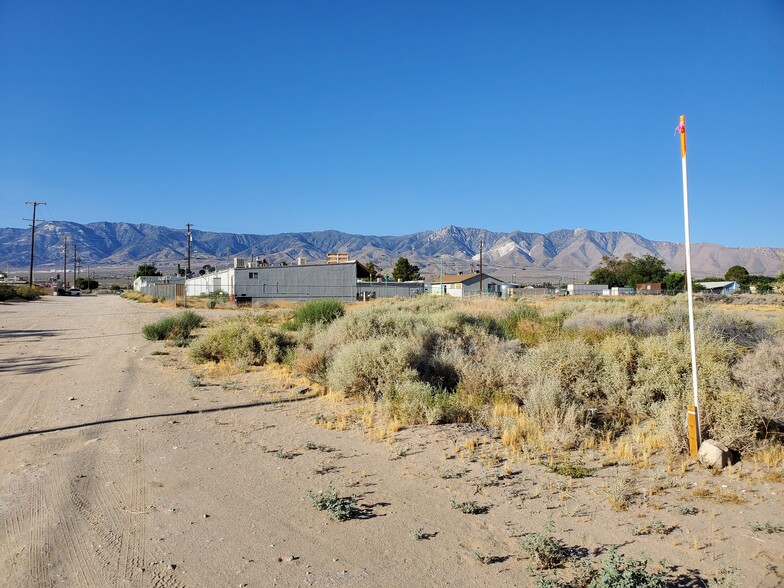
(561, 421)
(416, 403)
(572, 363)
(730, 327)
(761, 373)
(245, 340)
(366, 368)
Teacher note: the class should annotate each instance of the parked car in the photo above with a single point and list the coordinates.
(74, 292)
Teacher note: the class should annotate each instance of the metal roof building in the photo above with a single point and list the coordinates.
(342, 280)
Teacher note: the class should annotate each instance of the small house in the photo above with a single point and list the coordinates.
(465, 285)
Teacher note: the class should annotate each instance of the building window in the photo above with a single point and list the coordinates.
(253, 275)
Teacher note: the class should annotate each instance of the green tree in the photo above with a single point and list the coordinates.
(147, 270)
(629, 271)
(86, 284)
(642, 270)
(371, 267)
(607, 273)
(764, 287)
(405, 272)
(674, 281)
(737, 273)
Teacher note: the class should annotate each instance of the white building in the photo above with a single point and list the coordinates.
(464, 285)
(586, 289)
(345, 280)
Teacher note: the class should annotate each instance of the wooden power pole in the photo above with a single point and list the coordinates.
(35, 204)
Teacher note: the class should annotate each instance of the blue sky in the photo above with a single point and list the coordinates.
(394, 117)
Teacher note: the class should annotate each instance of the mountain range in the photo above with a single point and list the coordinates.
(122, 246)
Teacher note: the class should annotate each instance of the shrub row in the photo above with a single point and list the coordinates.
(565, 372)
(9, 292)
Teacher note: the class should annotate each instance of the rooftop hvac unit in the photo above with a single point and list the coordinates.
(239, 263)
(301, 261)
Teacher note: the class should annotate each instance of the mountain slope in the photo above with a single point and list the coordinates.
(124, 245)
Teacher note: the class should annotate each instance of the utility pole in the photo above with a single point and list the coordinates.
(188, 270)
(65, 262)
(481, 243)
(74, 274)
(442, 275)
(35, 204)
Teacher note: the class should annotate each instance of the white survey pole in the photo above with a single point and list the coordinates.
(681, 129)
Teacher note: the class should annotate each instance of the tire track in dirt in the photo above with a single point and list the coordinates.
(17, 416)
(73, 536)
(38, 552)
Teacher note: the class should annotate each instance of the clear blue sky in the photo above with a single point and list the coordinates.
(393, 117)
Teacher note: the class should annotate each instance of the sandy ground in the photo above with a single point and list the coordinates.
(116, 471)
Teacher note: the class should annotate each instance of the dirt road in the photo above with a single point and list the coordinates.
(110, 479)
(115, 470)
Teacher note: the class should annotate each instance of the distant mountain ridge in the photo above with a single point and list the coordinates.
(121, 245)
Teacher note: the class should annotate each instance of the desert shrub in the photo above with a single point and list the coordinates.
(617, 356)
(173, 328)
(246, 339)
(595, 324)
(341, 508)
(670, 419)
(420, 403)
(663, 369)
(367, 367)
(9, 292)
(544, 550)
(521, 311)
(664, 374)
(572, 363)
(318, 311)
(485, 368)
(551, 416)
(731, 418)
(761, 373)
(210, 303)
(616, 571)
(318, 344)
(526, 324)
(730, 327)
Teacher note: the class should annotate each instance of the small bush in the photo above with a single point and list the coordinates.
(545, 551)
(244, 340)
(367, 367)
(761, 374)
(467, 507)
(618, 572)
(340, 508)
(173, 328)
(571, 469)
